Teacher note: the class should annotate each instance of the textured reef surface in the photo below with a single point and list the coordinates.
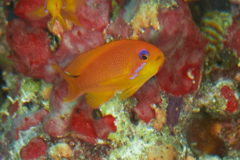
(188, 111)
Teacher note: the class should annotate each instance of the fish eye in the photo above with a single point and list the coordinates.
(143, 54)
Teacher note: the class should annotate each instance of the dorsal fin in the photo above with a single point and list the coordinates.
(83, 60)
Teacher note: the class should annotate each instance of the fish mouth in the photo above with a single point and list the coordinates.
(161, 60)
(159, 57)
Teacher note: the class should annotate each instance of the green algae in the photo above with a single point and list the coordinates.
(130, 141)
(168, 4)
(116, 9)
(28, 93)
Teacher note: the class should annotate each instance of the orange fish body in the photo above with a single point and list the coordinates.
(120, 66)
(58, 9)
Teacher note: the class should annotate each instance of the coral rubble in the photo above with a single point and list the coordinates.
(188, 111)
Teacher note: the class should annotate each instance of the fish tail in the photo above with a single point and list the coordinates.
(70, 15)
(52, 21)
(73, 93)
(73, 90)
(62, 21)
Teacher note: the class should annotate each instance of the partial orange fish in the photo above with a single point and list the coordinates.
(120, 66)
(58, 9)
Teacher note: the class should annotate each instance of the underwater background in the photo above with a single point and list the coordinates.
(189, 109)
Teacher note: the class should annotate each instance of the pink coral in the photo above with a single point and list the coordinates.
(31, 45)
(120, 28)
(35, 148)
(25, 6)
(147, 95)
(75, 42)
(122, 2)
(95, 14)
(84, 124)
(30, 49)
(24, 122)
(233, 37)
(76, 116)
(183, 46)
(229, 95)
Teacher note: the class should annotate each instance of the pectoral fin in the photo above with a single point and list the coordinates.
(37, 13)
(117, 81)
(129, 92)
(97, 99)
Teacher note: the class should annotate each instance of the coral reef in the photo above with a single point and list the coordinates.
(35, 148)
(232, 39)
(145, 17)
(132, 141)
(214, 27)
(161, 152)
(60, 150)
(184, 47)
(201, 133)
(188, 111)
(146, 96)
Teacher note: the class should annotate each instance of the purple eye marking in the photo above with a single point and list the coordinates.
(64, 5)
(143, 54)
(137, 70)
(45, 7)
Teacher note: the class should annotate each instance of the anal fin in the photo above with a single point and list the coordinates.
(97, 99)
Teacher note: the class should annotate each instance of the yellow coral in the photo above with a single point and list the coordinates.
(45, 91)
(190, 158)
(59, 151)
(145, 17)
(161, 118)
(163, 151)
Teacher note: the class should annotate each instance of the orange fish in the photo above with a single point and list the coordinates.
(120, 66)
(58, 9)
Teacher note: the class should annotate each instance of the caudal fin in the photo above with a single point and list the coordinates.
(73, 89)
(71, 16)
(62, 21)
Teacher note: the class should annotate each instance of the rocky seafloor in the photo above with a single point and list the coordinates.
(188, 111)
